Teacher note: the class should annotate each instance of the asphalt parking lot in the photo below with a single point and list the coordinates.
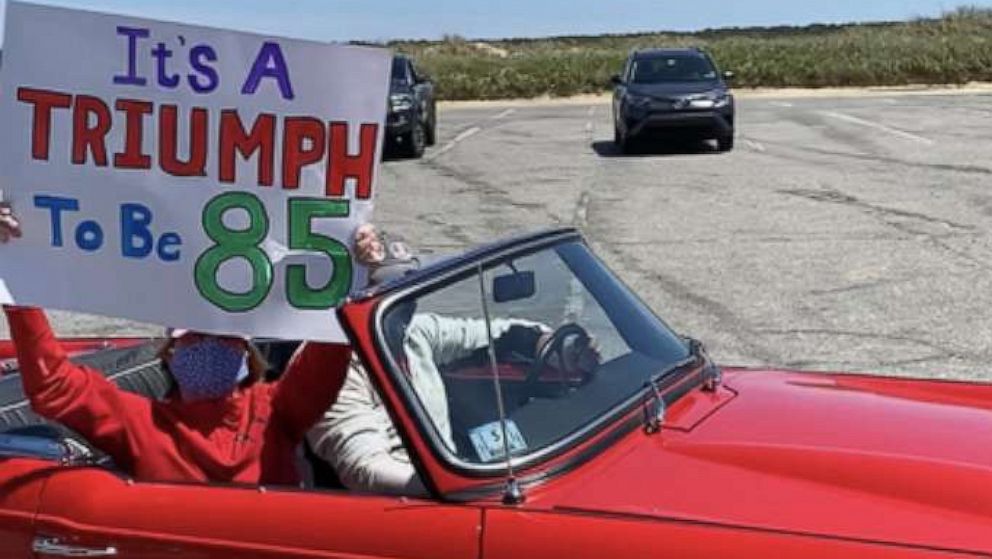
(846, 234)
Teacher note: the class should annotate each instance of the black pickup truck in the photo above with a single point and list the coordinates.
(411, 120)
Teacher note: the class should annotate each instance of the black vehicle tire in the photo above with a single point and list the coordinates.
(725, 143)
(431, 132)
(623, 142)
(415, 141)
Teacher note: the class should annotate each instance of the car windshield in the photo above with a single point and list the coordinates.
(673, 68)
(571, 343)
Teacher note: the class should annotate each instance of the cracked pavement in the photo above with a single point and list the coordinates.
(859, 243)
(849, 234)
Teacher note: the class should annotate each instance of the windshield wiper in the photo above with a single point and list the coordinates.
(654, 402)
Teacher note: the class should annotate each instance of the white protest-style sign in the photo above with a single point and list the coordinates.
(183, 175)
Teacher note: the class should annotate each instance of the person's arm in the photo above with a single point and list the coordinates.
(451, 339)
(357, 438)
(316, 372)
(310, 384)
(76, 396)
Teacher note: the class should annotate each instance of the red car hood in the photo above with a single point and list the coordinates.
(865, 458)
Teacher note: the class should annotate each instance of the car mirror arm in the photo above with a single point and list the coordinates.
(654, 409)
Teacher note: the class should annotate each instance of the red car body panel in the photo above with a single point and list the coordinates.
(851, 458)
(93, 508)
(21, 484)
(511, 534)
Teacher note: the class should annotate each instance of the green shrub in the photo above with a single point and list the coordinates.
(954, 49)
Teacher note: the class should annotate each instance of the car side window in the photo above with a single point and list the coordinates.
(414, 77)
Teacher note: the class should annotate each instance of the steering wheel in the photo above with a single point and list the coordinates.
(554, 346)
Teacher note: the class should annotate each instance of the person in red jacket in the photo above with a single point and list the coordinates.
(222, 423)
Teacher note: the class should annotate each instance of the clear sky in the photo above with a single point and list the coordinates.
(389, 19)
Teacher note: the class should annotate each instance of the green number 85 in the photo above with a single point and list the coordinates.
(244, 244)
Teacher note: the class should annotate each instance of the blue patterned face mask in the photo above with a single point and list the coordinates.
(208, 369)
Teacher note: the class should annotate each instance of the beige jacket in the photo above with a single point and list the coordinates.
(357, 436)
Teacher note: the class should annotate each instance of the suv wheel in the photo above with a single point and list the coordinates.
(415, 141)
(622, 141)
(725, 143)
(431, 132)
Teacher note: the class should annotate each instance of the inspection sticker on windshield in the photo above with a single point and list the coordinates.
(488, 440)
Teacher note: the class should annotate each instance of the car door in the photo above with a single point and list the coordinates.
(421, 92)
(95, 512)
(580, 534)
(21, 484)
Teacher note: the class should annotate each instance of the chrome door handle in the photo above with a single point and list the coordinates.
(54, 547)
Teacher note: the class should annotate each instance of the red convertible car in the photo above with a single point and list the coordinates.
(653, 452)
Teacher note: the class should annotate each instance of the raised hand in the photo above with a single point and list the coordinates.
(10, 227)
(581, 357)
(369, 249)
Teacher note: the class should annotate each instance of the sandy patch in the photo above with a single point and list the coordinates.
(749, 93)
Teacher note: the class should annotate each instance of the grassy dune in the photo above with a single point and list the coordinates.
(954, 49)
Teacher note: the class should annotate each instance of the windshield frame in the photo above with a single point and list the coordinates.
(425, 426)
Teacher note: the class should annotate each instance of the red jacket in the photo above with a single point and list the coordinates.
(250, 437)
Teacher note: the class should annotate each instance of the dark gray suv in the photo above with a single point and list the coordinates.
(673, 92)
(411, 117)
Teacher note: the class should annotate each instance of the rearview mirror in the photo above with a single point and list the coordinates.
(615, 79)
(514, 287)
(728, 75)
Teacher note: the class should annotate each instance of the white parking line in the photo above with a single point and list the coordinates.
(450, 145)
(755, 145)
(503, 114)
(582, 211)
(466, 134)
(589, 123)
(877, 126)
(784, 104)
